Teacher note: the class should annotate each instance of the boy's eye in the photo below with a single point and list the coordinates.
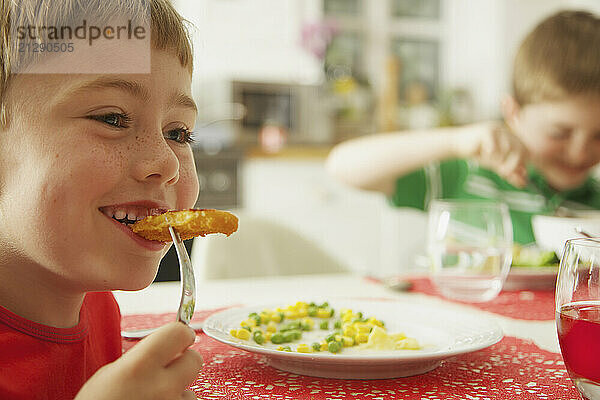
(180, 135)
(560, 135)
(117, 120)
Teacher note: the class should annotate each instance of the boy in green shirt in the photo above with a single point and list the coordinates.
(539, 160)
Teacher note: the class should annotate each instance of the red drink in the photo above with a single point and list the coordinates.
(579, 337)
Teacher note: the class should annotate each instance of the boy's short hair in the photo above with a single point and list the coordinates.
(559, 58)
(168, 28)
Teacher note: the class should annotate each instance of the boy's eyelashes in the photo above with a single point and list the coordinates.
(181, 135)
(560, 135)
(114, 119)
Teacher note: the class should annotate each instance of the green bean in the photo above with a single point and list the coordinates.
(324, 325)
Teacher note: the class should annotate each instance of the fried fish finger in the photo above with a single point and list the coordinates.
(189, 224)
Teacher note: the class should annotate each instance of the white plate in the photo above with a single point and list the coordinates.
(442, 334)
(531, 278)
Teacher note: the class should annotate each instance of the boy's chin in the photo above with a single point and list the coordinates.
(130, 287)
(136, 279)
(564, 182)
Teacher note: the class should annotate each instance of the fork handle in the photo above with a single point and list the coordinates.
(188, 281)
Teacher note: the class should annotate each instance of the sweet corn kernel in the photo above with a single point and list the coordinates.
(349, 331)
(301, 304)
(250, 322)
(233, 332)
(361, 338)
(304, 348)
(302, 312)
(271, 326)
(290, 314)
(276, 317)
(268, 336)
(375, 321)
(362, 328)
(338, 338)
(309, 322)
(323, 313)
(265, 317)
(347, 341)
(243, 334)
(347, 317)
(324, 345)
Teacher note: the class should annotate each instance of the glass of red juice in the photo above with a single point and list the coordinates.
(578, 314)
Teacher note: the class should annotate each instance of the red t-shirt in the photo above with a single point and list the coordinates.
(41, 362)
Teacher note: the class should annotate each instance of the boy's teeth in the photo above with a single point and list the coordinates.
(131, 213)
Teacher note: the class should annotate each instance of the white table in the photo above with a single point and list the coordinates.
(163, 297)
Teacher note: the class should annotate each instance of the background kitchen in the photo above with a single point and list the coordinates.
(297, 76)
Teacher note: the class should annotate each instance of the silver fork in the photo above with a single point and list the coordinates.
(188, 281)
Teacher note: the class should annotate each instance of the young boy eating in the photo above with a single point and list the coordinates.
(544, 159)
(82, 155)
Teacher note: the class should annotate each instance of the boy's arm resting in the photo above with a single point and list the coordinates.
(160, 366)
(375, 162)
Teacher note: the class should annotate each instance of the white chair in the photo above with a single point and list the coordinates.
(260, 247)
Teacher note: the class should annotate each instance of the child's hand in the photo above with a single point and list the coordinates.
(159, 367)
(496, 148)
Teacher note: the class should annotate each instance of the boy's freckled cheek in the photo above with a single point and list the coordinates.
(189, 193)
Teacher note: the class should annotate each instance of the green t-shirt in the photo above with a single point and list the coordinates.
(460, 179)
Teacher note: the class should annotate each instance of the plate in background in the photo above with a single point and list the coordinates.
(531, 278)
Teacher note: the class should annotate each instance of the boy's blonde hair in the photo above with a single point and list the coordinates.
(559, 58)
(168, 28)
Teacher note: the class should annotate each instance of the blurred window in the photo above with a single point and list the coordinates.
(429, 9)
(341, 7)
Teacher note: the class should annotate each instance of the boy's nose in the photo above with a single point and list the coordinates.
(156, 162)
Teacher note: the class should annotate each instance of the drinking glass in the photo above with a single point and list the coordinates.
(578, 314)
(470, 244)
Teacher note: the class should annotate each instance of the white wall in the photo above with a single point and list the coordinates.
(473, 53)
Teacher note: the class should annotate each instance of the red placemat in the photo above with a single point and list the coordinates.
(512, 368)
(529, 305)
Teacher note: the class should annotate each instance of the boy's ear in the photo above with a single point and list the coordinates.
(510, 111)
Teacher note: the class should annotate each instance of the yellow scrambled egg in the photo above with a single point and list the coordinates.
(379, 339)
